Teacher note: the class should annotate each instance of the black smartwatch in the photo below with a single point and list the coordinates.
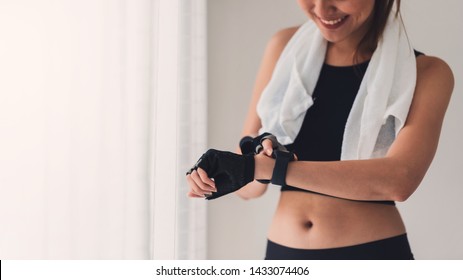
(282, 159)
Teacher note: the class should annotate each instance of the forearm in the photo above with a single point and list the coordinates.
(373, 179)
(252, 190)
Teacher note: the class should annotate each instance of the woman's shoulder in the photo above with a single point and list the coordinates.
(281, 38)
(285, 34)
(431, 69)
(432, 63)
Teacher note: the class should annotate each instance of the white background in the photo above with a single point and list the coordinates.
(238, 32)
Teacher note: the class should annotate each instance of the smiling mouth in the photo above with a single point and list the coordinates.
(333, 23)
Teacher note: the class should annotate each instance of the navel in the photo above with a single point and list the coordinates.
(308, 224)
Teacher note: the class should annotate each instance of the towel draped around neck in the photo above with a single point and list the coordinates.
(380, 108)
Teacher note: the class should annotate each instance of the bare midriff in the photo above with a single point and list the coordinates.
(312, 221)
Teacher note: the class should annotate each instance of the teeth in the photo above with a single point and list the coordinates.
(332, 22)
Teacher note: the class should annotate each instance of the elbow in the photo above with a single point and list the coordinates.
(243, 196)
(247, 196)
(251, 191)
(401, 195)
(406, 182)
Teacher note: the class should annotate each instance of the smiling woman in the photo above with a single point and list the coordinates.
(315, 215)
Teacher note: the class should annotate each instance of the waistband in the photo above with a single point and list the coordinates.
(393, 248)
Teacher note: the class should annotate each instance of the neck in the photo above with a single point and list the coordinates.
(344, 55)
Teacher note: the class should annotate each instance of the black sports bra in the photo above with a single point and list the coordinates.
(320, 137)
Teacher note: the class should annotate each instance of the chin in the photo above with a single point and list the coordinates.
(332, 38)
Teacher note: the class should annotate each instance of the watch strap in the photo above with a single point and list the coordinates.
(281, 166)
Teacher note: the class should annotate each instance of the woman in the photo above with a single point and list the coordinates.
(343, 209)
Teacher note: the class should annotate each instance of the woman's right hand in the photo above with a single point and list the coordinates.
(267, 148)
(200, 184)
(218, 173)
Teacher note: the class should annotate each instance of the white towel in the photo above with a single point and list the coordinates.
(380, 107)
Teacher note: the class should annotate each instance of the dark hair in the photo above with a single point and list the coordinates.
(379, 17)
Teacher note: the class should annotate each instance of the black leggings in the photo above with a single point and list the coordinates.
(394, 248)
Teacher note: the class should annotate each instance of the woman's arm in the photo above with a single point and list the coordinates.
(252, 123)
(399, 173)
(198, 180)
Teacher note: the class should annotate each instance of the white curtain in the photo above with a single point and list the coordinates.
(180, 98)
(88, 132)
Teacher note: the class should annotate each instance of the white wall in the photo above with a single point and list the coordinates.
(238, 32)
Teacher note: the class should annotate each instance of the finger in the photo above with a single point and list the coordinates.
(295, 157)
(194, 187)
(267, 146)
(193, 195)
(204, 188)
(205, 178)
(200, 182)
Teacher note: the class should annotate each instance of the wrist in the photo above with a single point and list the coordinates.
(263, 167)
(282, 160)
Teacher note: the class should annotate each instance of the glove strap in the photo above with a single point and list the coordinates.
(281, 166)
(247, 145)
(249, 164)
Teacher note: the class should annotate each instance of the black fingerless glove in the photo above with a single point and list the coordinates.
(229, 171)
